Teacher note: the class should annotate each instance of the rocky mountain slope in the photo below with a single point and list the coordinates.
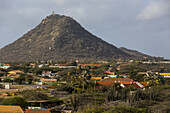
(134, 53)
(57, 38)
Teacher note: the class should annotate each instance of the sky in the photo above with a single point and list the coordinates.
(142, 25)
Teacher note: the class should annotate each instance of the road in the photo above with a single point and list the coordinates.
(29, 87)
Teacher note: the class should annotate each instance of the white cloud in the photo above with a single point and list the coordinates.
(155, 9)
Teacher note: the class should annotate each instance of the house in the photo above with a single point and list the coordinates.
(10, 109)
(124, 82)
(166, 75)
(14, 72)
(46, 73)
(109, 81)
(46, 81)
(6, 66)
(118, 79)
(41, 104)
(132, 84)
(37, 111)
(95, 78)
(32, 65)
(114, 76)
(91, 65)
(108, 73)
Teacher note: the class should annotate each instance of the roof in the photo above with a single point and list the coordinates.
(105, 82)
(92, 65)
(109, 72)
(49, 80)
(39, 101)
(127, 84)
(37, 111)
(111, 82)
(142, 73)
(164, 73)
(96, 78)
(118, 79)
(133, 84)
(46, 72)
(144, 83)
(10, 109)
(6, 64)
(15, 71)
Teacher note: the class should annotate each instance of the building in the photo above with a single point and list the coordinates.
(37, 111)
(46, 73)
(10, 109)
(46, 81)
(14, 72)
(166, 75)
(91, 65)
(108, 73)
(95, 78)
(6, 66)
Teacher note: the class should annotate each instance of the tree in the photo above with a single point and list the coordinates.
(74, 63)
(34, 95)
(15, 101)
(17, 80)
(7, 80)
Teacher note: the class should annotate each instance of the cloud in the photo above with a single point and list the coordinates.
(156, 9)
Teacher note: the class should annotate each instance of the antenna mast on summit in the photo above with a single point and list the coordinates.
(53, 13)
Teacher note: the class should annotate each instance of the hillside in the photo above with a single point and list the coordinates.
(57, 38)
(134, 53)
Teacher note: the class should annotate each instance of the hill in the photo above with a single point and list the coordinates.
(57, 38)
(134, 53)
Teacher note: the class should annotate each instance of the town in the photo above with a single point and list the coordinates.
(84, 86)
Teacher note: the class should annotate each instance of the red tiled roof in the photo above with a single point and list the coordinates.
(37, 111)
(6, 65)
(105, 82)
(119, 59)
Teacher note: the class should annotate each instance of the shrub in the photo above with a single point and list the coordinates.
(34, 95)
(15, 101)
(122, 109)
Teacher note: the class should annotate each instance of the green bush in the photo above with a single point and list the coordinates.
(15, 101)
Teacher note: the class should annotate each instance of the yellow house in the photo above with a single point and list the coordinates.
(166, 75)
(10, 109)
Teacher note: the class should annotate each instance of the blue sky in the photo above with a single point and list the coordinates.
(142, 25)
